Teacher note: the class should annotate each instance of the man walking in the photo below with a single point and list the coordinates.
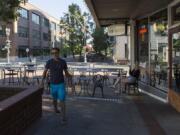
(56, 66)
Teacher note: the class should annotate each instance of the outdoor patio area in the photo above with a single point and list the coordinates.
(90, 67)
(126, 115)
(91, 110)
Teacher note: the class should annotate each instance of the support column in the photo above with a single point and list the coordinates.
(132, 42)
(14, 37)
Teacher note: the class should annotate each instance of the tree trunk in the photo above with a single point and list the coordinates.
(106, 52)
(72, 51)
(73, 54)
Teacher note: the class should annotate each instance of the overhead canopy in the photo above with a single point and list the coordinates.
(107, 12)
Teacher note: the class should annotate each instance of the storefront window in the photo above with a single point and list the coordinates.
(143, 49)
(158, 50)
(176, 14)
(176, 62)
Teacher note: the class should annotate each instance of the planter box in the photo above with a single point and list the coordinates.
(174, 99)
(19, 110)
(8, 92)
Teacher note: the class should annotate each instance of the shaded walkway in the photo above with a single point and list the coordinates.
(130, 115)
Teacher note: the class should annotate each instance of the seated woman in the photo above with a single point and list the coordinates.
(134, 75)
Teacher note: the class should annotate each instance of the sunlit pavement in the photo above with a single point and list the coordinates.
(125, 115)
(113, 115)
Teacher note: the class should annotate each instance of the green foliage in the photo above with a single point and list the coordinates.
(65, 49)
(161, 29)
(8, 10)
(176, 44)
(78, 49)
(77, 25)
(100, 40)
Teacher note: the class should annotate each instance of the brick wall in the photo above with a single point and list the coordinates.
(174, 99)
(19, 111)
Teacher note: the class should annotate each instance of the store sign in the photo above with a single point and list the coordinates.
(143, 30)
(117, 29)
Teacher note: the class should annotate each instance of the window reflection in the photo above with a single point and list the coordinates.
(158, 54)
(143, 49)
(176, 62)
(35, 18)
(176, 14)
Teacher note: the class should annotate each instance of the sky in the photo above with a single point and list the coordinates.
(56, 8)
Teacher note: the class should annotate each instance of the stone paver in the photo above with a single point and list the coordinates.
(88, 117)
(130, 115)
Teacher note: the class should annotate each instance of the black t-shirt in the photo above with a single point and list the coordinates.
(56, 69)
(135, 73)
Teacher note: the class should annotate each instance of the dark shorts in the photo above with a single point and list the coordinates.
(131, 79)
(58, 91)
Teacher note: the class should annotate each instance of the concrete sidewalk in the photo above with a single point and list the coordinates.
(128, 115)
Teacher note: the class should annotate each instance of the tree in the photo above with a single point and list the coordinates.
(78, 25)
(64, 50)
(8, 10)
(100, 41)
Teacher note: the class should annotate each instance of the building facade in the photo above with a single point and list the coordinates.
(34, 29)
(158, 51)
(119, 38)
(122, 43)
(154, 41)
(152, 49)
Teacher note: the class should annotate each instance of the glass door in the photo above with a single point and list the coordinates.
(174, 59)
(175, 74)
(158, 54)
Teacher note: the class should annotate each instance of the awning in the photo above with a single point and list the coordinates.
(107, 12)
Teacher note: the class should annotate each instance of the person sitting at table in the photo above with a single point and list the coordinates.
(133, 76)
